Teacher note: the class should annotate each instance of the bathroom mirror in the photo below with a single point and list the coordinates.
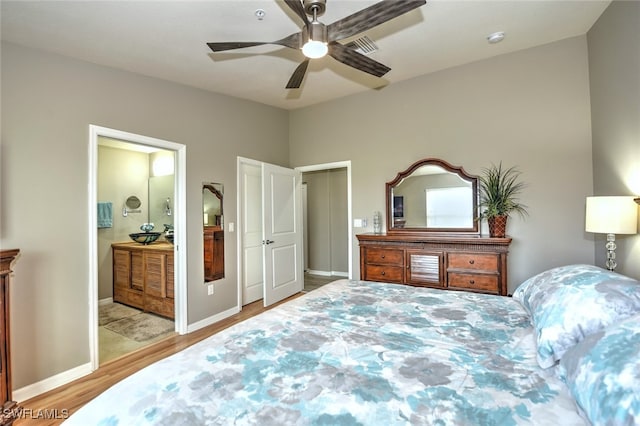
(213, 230)
(161, 198)
(432, 196)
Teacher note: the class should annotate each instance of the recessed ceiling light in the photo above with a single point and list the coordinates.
(496, 37)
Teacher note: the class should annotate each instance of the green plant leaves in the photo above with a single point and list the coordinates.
(499, 190)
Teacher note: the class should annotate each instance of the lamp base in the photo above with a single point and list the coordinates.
(611, 252)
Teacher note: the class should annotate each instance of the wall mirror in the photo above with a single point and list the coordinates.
(432, 196)
(213, 230)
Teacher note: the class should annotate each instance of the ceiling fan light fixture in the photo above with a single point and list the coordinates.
(316, 45)
(314, 49)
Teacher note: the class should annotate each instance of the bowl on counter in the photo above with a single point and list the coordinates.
(169, 237)
(145, 237)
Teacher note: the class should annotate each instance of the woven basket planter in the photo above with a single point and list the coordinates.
(497, 226)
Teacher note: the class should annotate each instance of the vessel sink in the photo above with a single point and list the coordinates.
(145, 237)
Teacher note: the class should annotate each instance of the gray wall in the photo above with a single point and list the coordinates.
(614, 71)
(529, 108)
(48, 103)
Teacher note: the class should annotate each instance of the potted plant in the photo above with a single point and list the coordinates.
(499, 190)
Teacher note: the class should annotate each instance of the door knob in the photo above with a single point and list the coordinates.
(267, 242)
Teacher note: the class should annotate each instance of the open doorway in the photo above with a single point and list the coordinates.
(138, 282)
(326, 226)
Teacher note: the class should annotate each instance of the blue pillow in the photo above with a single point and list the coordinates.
(603, 374)
(568, 303)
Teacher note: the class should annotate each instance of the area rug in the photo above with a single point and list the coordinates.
(141, 327)
(115, 311)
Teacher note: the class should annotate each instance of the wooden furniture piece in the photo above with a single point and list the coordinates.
(10, 410)
(433, 234)
(469, 263)
(213, 253)
(143, 276)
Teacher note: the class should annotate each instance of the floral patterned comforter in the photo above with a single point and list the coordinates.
(352, 353)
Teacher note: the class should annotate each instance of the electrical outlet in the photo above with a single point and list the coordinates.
(210, 289)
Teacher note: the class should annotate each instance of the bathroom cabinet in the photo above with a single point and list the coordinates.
(9, 407)
(143, 276)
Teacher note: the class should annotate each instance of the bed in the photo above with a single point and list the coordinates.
(365, 353)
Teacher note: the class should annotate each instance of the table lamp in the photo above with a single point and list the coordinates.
(611, 215)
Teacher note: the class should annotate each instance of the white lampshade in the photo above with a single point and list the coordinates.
(611, 215)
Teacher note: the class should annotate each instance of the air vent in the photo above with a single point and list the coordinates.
(363, 45)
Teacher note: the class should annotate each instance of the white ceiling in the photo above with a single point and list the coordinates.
(167, 40)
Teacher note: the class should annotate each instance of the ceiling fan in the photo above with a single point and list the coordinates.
(317, 39)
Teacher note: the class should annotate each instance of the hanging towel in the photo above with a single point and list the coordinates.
(105, 215)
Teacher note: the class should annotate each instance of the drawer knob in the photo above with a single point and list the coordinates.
(382, 272)
(472, 282)
(383, 256)
(472, 261)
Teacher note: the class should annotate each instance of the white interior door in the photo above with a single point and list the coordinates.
(251, 223)
(282, 233)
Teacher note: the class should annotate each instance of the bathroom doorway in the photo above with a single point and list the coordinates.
(136, 181)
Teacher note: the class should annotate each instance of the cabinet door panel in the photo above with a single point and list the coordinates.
(155, 265)
(137, 271)
(425, 268)
(121, 269)
(170, 287)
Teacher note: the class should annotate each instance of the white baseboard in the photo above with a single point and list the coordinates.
(327, 273)
(52, 382)
(105, 301)
(212, 319)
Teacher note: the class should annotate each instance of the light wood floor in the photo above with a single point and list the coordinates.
(74, 395)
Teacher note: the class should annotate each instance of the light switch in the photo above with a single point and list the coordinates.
(359, 223)
(232, 226)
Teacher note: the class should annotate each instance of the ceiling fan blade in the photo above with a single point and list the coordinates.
(357, 60)
(298, 75)
(297, 7)
(370, 17)
(292, 41)
(221, 47)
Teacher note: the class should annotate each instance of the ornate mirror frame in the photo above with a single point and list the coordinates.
(394, 227)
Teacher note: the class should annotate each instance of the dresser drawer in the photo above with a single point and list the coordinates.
(481, 282)
(384, 273)
(486, 262)
(383, 256)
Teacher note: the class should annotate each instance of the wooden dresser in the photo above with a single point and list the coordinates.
(213, 253)
(143, 276)
(9, 408)
(468, 263)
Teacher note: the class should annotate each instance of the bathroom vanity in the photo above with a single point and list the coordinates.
(143, 276)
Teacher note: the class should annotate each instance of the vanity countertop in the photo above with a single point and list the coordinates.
(156, 246)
